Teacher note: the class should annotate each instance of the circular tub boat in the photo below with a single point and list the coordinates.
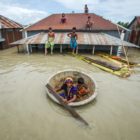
(58, 79)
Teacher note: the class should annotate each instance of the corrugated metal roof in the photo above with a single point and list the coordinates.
(83, 39)
(77, 20)
(8, 23)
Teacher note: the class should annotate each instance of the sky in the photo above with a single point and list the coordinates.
(30, 11)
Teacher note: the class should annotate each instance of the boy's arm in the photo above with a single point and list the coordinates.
(76, 37)
(86, 90)
(73, 99)
(68, 34)
(57, 89)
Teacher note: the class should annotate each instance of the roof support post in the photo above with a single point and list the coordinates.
(31, 48)
(111, 49)
(18, 48)
(93, 50)
(77, 49)
(27, 49)
(61, 48)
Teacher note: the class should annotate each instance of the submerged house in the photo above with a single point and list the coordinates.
(134, 26)
(9, 32)
(102, 35)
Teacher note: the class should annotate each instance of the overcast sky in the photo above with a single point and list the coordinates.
(30, 11)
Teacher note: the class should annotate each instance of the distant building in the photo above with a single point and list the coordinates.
(134, 26)
(9, 32)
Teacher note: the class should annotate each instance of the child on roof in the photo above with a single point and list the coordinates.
(50, 42)
(73, 39)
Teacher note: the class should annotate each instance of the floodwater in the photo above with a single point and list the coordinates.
(26, 113)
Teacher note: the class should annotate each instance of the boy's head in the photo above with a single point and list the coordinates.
(63, 14)
(69, 82)
(74, 29)
(80, 81)
(89, 17)
(50, 29)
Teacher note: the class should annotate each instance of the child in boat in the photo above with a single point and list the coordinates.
(82, 88)
(70, 91)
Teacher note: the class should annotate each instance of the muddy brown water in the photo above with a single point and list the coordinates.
(27, 114)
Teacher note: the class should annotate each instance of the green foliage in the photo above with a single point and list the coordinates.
(124, 24)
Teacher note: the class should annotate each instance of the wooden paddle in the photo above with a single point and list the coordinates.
(67, 107)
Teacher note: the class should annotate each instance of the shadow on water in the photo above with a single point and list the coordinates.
(80, 110)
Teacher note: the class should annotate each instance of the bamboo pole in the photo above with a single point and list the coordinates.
(123, 47)
(111, 49)
(61, 49)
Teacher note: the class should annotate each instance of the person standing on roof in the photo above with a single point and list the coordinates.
(89, 23)
(63, 18)
(86, 9)
(73, 39)
(50, 42)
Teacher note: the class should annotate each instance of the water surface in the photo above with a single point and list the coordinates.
(27, 114)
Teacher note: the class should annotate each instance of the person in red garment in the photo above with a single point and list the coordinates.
(82, 88)
(89, 24)
(63, 19)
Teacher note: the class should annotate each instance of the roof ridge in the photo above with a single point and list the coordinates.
(10, 21)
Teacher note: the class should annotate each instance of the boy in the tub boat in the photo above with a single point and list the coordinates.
(69, 93)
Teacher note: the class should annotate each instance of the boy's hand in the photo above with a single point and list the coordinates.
(65, 101)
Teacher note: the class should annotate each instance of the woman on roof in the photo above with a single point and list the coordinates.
(50, 42)
(73, 39)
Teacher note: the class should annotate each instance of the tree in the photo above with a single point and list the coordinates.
(124, 24)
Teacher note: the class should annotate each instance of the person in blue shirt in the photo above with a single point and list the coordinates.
(69, 93)
(73, 39)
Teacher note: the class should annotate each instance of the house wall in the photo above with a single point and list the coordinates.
(10, 35)
(134, 35)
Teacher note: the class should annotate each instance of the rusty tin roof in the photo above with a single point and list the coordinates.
(83, 39)
(8, 23)
(77, 20)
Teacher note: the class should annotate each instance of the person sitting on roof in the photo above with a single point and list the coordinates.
(50, 42)
(82, 88)
(86, 9)
(63, 18)
(73, 39)
(89, 23)
(69, 91)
